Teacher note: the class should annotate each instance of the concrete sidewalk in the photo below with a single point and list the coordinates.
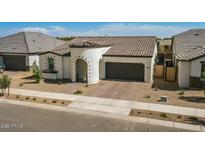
(121, 107)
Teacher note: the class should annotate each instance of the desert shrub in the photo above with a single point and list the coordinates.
(27, 97)
(78, 92)
(181, 93)
(44, 100)
(54, 101)
(147, 96)
(17, 96)
(163, 115)
(193, 118)
(179, 117)
(34, 98)
(21, 84)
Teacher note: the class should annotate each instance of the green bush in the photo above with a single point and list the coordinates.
(65, 38)
(37, 73)
(5, 82)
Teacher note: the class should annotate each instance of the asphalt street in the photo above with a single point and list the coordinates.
(18, 118)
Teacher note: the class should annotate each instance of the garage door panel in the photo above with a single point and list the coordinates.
(14, 62)
(127, 71)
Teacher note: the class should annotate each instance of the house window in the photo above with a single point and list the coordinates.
(203, 71)
(51, 63)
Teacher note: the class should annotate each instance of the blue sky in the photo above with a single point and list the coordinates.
(159, 29)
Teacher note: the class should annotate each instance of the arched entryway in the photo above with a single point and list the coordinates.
(81, 70)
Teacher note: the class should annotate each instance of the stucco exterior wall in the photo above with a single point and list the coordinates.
(153, 62)
(92, 57)
(32, 59)
(57, 63)
(184, 69)
(66, 67)
(196, 67)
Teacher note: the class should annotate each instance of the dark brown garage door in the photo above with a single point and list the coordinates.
(127, 71)
(16, 63)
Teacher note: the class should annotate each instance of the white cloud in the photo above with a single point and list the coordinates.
(144, 29)
(57, 29)
(111, 30)
(34, 29)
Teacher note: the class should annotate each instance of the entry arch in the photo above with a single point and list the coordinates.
(81, 70)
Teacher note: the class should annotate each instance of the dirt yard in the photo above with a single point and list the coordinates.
(125, 90)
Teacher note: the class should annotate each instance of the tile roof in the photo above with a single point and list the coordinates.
(28, 42)
(86, 44)
(191, 54)
(132, 46)
(189, 44)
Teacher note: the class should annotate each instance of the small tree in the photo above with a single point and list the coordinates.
(5, 82)
(36, 73)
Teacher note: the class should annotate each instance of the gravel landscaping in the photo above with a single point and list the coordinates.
(39, 100)
(168, 117)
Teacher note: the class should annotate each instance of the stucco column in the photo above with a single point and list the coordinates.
(73, 71)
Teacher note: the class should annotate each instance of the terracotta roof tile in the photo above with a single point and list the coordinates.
(136, 46)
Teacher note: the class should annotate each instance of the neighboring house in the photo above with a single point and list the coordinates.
(92, 58)
(189, 57)
(20, 50)
(164, 45)
(164, 51)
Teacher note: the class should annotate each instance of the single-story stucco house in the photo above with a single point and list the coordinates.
(20, 50)
(189, 57)
(92, 58)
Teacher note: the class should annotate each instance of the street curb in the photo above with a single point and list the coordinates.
(109, 115)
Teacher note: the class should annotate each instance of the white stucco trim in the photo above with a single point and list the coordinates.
(91, 56)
